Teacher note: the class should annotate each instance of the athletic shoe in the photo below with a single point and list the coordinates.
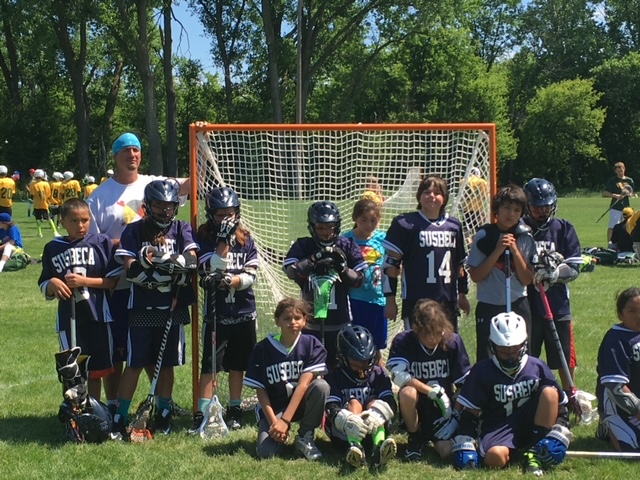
(384, 452)
(234, 418)
(178, 411)
(532, 464)
(198, 417)
(305, 445)
(413, 453)
(356, 456)
(162, 422)
(113, 408)
(119, 428)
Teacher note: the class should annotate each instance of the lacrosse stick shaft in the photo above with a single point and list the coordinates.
(507, 273)
(163, 345)
(211, 313)
(612, 455)
(548, 315)
(72, 321)
(629, 191)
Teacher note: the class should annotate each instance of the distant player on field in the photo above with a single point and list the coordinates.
(618, 189)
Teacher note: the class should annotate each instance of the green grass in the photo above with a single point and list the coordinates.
(32, 443)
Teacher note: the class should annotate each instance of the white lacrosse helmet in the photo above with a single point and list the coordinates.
(110, 172)
(57, 176)
(67, 175)
(91, 179)
(508, 330)
(3, 170)
(39, 173)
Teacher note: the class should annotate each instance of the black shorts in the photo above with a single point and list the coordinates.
(234, 344)
(41, 213)
(54, 210)
(541, 334)
(144, 346)
(6, 210)
(94, 338)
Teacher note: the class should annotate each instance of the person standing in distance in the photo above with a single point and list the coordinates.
(115, 204)
(617, 189)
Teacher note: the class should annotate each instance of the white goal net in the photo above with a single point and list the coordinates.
(279, 170)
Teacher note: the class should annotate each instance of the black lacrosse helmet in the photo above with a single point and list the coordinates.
(222, 197)
(162, 191)
(91, 423)
(323, 212)
(355, 343)
(541, 193)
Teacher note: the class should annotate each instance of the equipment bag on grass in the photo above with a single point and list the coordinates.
(18, 261)
(605, 256)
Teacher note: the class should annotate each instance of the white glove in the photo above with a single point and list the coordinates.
(144, 254)
(377, 415)
(350, 424)
(400, 376)
(444, 428)
(217, 263)
(438, 396)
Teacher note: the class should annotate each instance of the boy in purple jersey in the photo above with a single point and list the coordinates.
(618, 388)
(428, 363)
(552, 235)
(360, 403)
(325, 266)
(227, 249)
(488, 268)
(430, 248)
(74, 269)
(515, 401)
(149, 248)
(285, 370)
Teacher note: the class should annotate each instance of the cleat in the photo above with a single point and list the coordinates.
(532, 464)
(178, 411)
(162, 422)
(198, 418)
(119, 429)
(305, 445)
(413, 453)
(384, 452)
(356, 456)
(234, 418)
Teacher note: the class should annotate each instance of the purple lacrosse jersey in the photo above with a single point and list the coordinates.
(561, 237)
(619, 361)
(90, 257)
(446, 367)
(244, 258)
(498, 395)
(432, 253)
(178, 239)
(277, 371)
(339, 309)
(344, 388)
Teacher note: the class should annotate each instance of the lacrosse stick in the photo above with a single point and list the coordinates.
(213, 424)
(582, 409)
(507, 272)
(628, 191)
(612, 455)
(138, 428)
(72, 321)
(322, 286)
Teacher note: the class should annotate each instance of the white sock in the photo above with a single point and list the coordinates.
(2, 262)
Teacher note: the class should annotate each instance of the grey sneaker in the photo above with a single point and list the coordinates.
(306, 446)
(356, 456)
(384, 452)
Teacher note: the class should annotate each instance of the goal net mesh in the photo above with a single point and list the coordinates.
(278, 171)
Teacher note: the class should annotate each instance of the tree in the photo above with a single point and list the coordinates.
(559, 138)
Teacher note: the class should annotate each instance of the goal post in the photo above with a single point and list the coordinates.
(279, 170)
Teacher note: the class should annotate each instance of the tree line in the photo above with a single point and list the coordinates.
(560, 78)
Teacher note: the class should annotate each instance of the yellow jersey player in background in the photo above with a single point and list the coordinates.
(7, 191)
(56, 196)
(40, 190)
(90, 186)
(70, 187)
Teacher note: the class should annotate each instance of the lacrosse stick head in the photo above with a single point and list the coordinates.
(323, 223)
(581, 404)
(213, 424)
(139, 429)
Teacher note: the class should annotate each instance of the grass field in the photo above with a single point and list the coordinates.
(32, 443)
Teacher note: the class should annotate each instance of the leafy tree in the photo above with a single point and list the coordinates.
(560, 134)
